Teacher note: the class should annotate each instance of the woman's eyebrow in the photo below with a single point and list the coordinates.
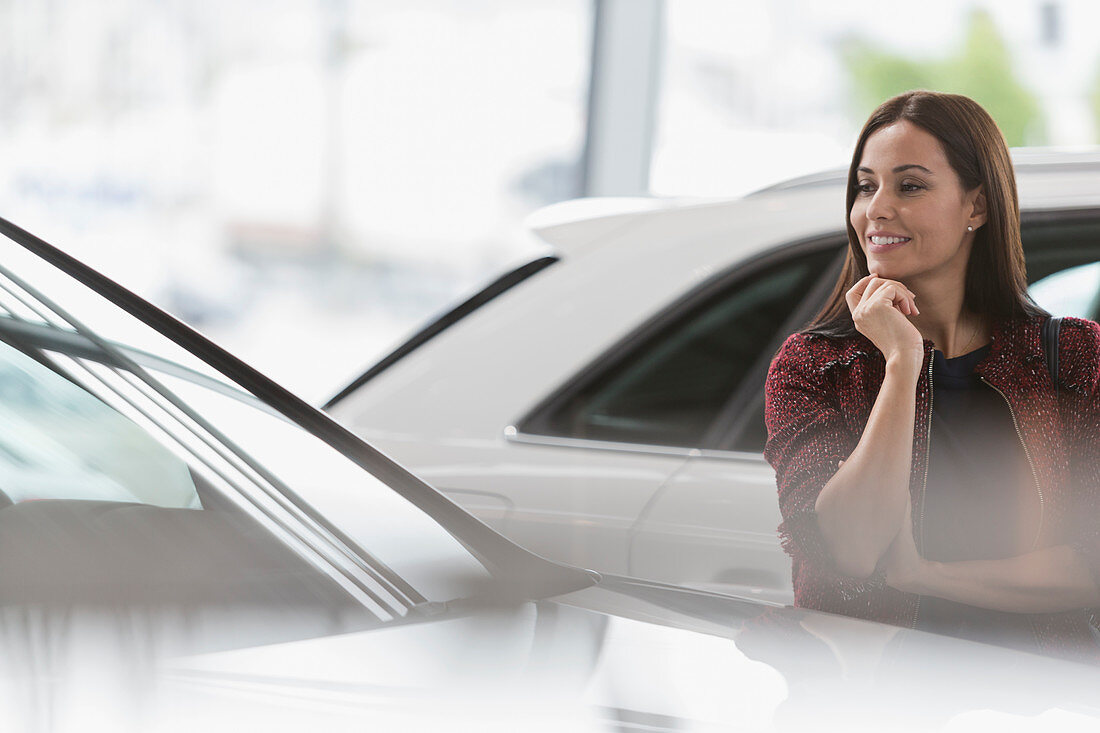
(899, 169)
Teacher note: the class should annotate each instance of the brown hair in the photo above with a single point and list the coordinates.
(996, 277)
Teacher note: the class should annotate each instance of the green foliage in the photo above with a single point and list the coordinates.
(981, 69)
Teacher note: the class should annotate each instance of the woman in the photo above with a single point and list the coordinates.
(930, 472)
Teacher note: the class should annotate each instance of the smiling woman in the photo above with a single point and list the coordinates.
(930, 472)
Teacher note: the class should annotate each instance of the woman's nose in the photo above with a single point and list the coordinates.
(881, 205)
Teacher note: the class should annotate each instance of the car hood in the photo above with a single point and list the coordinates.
(622, 655)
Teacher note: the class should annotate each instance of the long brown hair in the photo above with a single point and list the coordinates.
(996, 277)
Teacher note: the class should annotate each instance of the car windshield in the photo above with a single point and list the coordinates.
(130, 466)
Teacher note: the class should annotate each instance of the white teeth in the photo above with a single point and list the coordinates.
(888, 240)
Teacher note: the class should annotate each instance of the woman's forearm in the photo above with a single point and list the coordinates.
(861, 507)
(1043, 581)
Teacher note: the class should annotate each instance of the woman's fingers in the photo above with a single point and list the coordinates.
(901, 298)
(910, 297)
(873, 287)
(880, 289)
(902, 304)
(854, 296)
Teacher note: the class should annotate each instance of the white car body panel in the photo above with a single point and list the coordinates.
(524, 492)
(712, 526)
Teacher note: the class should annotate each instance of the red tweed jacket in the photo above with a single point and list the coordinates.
(818, 396)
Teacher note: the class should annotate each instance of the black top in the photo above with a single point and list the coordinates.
(981, 501)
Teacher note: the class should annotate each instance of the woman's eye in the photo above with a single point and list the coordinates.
(864, 187)
(911, 187)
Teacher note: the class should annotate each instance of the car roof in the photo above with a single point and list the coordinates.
(1047, 178)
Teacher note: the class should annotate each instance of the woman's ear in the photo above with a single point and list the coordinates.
(977, 207)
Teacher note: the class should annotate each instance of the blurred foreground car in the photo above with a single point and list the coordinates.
(186, 546)
(603, 405)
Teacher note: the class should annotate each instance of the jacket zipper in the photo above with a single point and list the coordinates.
(1027, 453)
(924, 487)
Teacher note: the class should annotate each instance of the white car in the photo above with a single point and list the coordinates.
(603, 405)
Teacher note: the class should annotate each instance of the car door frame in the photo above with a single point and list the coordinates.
(741, 271)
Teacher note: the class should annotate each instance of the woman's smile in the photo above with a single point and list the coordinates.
(878, 241)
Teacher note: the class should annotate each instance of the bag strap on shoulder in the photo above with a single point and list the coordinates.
(1051, 327)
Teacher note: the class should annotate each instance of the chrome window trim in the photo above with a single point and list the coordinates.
(732, 455)
(514, 435)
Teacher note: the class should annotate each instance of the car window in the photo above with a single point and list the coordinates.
(668, 388)
(1063, 263)
(57, 442)
(1074, 291)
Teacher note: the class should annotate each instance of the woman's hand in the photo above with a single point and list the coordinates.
(902, 564)
(879, 308)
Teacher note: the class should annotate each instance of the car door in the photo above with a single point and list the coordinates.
(671, 388)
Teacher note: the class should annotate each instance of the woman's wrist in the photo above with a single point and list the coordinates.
(924, 577)
(906, 363)
(920, 578)
(905, 358)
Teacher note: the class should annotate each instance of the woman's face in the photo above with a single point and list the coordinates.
(910, 211)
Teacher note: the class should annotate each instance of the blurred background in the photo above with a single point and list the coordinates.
(308, 181)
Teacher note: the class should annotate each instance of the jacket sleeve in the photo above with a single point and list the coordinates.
(807, 439)
(1079, 355)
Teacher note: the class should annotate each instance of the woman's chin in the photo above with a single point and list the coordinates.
(884, 269)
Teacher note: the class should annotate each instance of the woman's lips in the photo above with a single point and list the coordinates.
(873, 248)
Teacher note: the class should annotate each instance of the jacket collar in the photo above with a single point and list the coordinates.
(1012, 341)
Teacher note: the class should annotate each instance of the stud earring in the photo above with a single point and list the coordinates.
(970, 229)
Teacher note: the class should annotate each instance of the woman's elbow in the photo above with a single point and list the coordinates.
(855, 565)
(850, 550)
